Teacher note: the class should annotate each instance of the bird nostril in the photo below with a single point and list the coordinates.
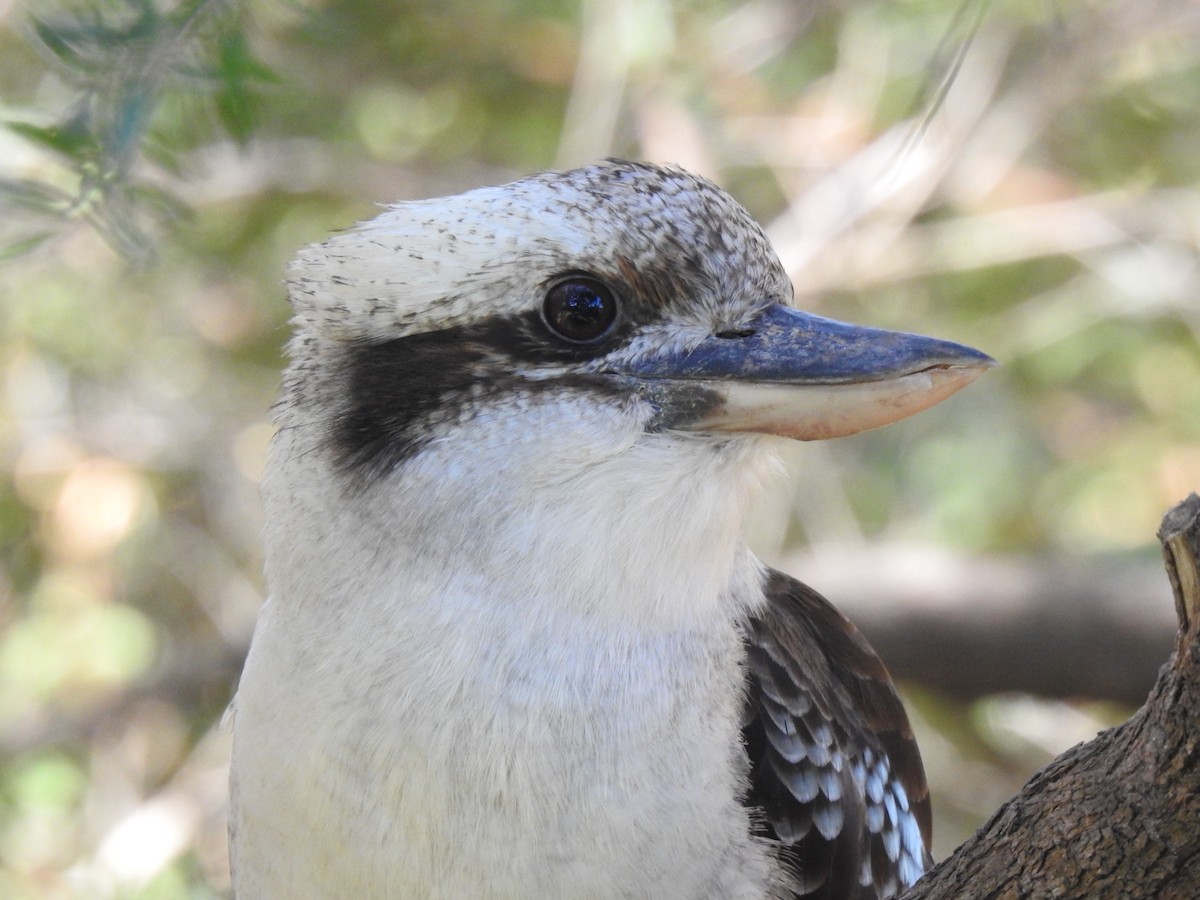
(730, 334)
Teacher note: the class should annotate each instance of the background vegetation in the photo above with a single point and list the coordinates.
(1020, 176)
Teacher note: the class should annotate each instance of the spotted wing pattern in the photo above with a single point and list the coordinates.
(835, 775)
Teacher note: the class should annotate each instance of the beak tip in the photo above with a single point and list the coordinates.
(969, 362)
(983, 361)
(946, 354)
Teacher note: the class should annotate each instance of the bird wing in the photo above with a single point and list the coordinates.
(836, 779)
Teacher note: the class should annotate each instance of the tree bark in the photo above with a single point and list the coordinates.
(1118, 816)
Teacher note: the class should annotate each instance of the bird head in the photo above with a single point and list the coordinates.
(571, 340)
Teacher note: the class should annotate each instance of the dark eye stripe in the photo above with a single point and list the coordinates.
(524, 339)
(388, 389)
(396, 394)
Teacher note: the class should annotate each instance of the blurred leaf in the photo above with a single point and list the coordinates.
(166, 155)
(160, 203)
(24, 246)
(238, 70)
(72, 139)
(124, 58)
(54, 38)
(34, 195)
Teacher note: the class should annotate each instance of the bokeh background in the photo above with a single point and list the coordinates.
(1019, 175)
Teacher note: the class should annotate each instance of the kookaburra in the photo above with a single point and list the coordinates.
(515, 646)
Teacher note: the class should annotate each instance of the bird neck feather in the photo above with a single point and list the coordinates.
(570, 507)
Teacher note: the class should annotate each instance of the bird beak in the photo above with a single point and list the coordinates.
(805, 377)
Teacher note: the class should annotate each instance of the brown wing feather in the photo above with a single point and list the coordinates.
(835, 774)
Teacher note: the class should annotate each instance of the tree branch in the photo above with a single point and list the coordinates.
(1116, 816)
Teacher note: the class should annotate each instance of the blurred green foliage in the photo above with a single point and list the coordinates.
(121, 62)
(163, 160)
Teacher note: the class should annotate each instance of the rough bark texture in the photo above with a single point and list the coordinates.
(1118, 816)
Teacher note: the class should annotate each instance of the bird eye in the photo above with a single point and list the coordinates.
(580, 310)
